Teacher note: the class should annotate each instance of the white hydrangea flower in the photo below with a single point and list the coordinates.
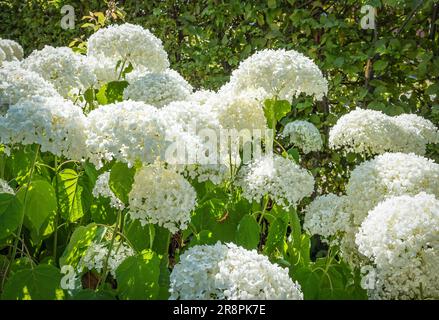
(280, 73)
(229, 272)
(57, 125)
(2, 57)
(282, 179)
(326, 216)
(103, 69)
(95, 255)
(390, 174)
(203, 96)
(130, 43)
(102, 189)
(17, 83)
(12, 50)
(243, 111)
(5, 188)
(69, 72)
(400, 236)
(303, 135)
(127, 131)
(372, 132)
(162, 196)
(420, 126)
(158, 89)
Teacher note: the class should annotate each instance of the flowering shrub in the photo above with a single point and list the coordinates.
(118, 180)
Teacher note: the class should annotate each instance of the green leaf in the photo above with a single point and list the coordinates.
(275, 110)
(276, 236)
(121, 180)
(40, 207)
(80, 240)
(380, 65)
(140, 237)
(111, 92)
(40, 283)
(247, 233)
(11, 212)
(70, 195)
(138, 277)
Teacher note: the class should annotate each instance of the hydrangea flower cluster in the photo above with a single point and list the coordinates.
(372, 132)
(282, 179)
(5, 188)
(400, 236)
(390, 174)
(327, 217)
(128, 131)
(130, 43)
(229, 272)
(96, 254)
(10, 51)
(243, 111)
(281, 73)
(17, 83)
(162, 196)
(69, 72)
(158, 89)
(102, 189)
(304, 135)
(57, 125)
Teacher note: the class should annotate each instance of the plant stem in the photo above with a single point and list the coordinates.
(55, 237)
(20, 226)
(121, 69)
(110, 249)
(264, 208)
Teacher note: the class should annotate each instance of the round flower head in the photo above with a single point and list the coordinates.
(162, 196)
(326, 216)
(372, 132)
(229, 272)
(243, 111)
(281, 73)
(68, 71)
(400, 236)
(283, 180)
(57, 125)
(127, 131)
(130, 43)
(304, 135)
(11, 49)
(96, 254)
(5, 188)
(419, 126)
(17, 83)
(390, 174)
(158, 89)
(102, 189)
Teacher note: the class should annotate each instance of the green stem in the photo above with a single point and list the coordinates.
(20, 226)
(264, 208)
(110, 249)
(55, 236)
(122, 68)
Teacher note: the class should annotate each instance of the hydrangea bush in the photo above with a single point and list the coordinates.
(119, 180)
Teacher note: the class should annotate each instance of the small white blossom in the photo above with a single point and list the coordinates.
(5, 188)
(102, 189)
(304, 135)
(162, 196)
(282, 179)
